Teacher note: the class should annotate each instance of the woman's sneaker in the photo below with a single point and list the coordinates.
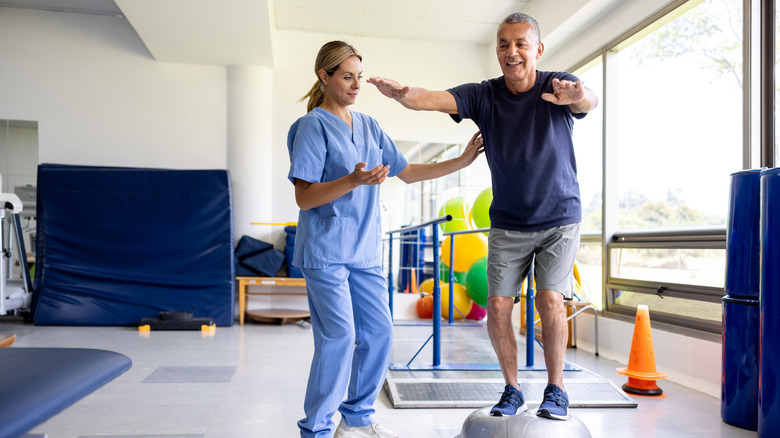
(373, 430)
(555, 404)
(511, 403)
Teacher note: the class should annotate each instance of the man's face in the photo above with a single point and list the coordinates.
(517, 49)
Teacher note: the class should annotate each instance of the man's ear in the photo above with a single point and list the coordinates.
(539, 50)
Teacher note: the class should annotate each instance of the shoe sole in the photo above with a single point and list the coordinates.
(544, 413)
(522, 409)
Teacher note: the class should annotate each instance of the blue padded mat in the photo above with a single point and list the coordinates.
(37, 383)
(115, 245)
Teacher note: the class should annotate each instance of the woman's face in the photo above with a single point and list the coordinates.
(342, 88)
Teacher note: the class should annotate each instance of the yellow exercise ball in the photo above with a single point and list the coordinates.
(460, 299)
(426, 287)
(468, 249)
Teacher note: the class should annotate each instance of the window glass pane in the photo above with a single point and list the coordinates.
(589, 267)
(702, 267)
(678, 122)
(712, 312)
(588, 150)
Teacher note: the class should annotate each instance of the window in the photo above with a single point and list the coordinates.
(672, 108)
(588, 147)
(588, 139)
(678, 91)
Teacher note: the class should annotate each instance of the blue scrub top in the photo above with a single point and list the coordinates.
(323, 148)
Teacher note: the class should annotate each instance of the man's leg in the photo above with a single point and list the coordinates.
(555, 333)
(502, 336)
(510, 254)
(553, 269)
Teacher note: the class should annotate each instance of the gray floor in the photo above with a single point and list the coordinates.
(249, 381)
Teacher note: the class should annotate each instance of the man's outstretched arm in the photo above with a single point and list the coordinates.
(418, 99)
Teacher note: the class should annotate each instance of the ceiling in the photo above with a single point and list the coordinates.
(451, 21)
(241, 32)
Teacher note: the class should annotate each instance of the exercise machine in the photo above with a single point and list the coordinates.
(15, 294)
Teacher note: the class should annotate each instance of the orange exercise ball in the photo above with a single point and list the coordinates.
(425, 307)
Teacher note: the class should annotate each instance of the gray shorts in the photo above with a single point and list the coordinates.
(510, 254)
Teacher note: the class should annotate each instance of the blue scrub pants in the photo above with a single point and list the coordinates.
(353, 335)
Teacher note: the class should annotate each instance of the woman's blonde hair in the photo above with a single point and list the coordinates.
(329, 58)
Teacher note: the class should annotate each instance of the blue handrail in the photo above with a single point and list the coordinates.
(436, 285)
(436, 336)
(529, 296)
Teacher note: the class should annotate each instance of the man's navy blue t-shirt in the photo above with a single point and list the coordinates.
(529, 149)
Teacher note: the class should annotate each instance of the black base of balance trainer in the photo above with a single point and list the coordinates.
(176, 321)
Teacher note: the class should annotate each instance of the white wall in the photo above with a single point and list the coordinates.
(100, 99)
(688, 361)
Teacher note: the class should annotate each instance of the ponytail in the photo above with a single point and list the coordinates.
(316, 96)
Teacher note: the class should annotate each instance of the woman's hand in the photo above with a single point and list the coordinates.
(473, 149)
(371, 177)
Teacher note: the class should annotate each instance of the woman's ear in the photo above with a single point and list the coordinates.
(323, 76)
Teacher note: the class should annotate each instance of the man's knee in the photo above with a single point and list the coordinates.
(549, 302)
(500, 306)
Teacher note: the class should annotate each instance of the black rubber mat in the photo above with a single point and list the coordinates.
(448, 393)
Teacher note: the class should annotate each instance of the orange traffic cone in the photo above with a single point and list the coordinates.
(641, 370)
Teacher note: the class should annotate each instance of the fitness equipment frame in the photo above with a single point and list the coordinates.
(436, 335)
(15, 295)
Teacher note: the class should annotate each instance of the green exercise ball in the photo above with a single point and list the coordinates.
(458, 209)
(476, 282)
(480, 211)
(444, 275)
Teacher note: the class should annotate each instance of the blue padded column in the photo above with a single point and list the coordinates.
(742, 235)
(739, 381)
(769, 380)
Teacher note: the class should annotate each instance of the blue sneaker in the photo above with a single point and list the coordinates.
(511, 403)
(555, 404)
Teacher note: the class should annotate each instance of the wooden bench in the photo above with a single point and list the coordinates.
(280, 315)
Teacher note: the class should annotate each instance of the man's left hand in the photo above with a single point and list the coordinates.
(565, 92)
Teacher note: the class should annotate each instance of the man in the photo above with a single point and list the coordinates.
(526, 118)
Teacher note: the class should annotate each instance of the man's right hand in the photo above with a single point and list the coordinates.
(389, 87)
(418, 99)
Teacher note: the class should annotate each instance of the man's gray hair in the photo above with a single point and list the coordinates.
(519, 17)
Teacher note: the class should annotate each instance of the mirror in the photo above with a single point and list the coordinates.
(18, 171)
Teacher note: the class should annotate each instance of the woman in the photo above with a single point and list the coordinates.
(338, 159)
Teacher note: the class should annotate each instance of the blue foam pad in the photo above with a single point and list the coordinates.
(265, 263)
(115, 245)
(249, 246)
(37, 383)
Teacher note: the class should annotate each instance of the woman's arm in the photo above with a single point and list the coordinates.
(311, 195)
(418, 172)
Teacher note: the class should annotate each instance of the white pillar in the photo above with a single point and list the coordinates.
(249, 132)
